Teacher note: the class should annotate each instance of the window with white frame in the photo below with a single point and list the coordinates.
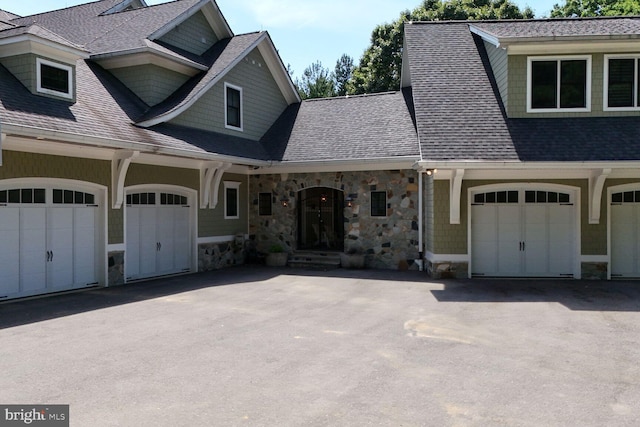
(558, 84)
(233, 107)
(621, 74)
(231, 200)
(54, 78)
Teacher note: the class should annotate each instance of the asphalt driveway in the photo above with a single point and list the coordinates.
(262, 347)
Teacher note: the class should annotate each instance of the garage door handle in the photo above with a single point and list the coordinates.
(524, 246)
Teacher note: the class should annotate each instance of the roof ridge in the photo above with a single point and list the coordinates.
(63, 8)
(362, 95)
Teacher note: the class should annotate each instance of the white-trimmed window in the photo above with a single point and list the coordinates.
(558, 84)
(621, 88)
(231, 200)
(233, 107)
(54, 78)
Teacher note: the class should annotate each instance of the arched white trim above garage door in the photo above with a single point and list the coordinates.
(528, 230)
(623, 232)
(165, 242)
(53, 235)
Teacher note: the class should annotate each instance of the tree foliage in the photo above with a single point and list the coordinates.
(316, 82)
(584, 8)
(342, 74)
(380, 66)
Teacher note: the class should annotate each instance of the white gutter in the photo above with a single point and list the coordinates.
(96, 141)
(337, 165)
(480, 164)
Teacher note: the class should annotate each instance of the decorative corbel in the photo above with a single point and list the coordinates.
(217, 178)
(596, 186)
(119, 167)
(455, 192)
(284, 176)
(3, 136)
(207, 172)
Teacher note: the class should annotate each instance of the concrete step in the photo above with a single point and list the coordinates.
(315, 259)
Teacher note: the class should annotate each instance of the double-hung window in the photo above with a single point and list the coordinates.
(54, 78)
(621, 75)
(233, 104)
(558, 84)
(231, 200)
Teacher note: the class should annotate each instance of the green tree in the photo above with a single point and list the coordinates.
(342, 74)
(583, 8)
(381, 64)
(316, 82)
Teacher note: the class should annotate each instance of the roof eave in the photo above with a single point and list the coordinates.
(176, 63)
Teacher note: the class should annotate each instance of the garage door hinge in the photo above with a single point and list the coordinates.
(566, 274)
(477, 204)
(92, 206)
(92, 284)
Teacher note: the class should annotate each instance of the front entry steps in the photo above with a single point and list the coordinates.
(321, 260)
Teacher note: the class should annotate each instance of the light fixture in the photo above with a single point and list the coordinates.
(285, 202)
(349, 201)
(323, 198)
(432, 172)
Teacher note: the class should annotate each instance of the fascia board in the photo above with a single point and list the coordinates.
(337, 165)
(148, 55)
(278, 70)
(570, 46)
(101, 142)
(182, 108)
(517, 165)
(28, 43)
(488, 37)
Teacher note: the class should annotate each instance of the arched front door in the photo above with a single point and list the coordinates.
(321, 219)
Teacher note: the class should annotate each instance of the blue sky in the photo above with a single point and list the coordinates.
(303, 30)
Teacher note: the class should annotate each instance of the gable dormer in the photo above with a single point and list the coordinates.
(41, 60)
(195, 35)
(578, 67)
(125, 6)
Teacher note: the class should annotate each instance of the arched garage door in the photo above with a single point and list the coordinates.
(523, 232)
(51, 238)
(159, 232)
(625, 234)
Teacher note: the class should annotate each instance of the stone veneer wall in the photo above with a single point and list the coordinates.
(214, 256)
(389, 242)
(116, 268)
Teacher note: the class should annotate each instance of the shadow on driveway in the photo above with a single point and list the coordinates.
(574, 294)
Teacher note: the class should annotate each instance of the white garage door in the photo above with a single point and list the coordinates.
(158, 235)
(523, 233)
(625, 234)
(49, 241)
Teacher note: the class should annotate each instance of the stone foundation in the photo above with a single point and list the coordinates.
(116, 268)
(447, 270)
(214, 256)
(594, 270)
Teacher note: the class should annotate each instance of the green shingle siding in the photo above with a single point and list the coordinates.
(151, 83)
(23, 67)
(499, 60)
(517, 91)
(262, 101)
(194, 35)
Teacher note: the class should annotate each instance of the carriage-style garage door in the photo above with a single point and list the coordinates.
(158, 234)
(49, 240)
(625, 234)
(523, 233)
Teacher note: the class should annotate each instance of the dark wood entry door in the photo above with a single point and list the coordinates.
(321, 219)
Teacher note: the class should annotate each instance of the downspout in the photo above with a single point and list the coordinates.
(421, 220)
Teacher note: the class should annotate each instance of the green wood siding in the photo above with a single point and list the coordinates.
(194, 35)
(262, 101)
(23, 67)
(211, 222)
(151, 83)
(499, 60)
(517, 91)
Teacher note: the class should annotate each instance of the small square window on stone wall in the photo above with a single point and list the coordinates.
(378, 203)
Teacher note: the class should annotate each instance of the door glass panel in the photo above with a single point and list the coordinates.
(14, 196)
(39, 195)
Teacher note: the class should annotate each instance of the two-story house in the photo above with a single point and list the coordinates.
(145, 141)
(533, 128)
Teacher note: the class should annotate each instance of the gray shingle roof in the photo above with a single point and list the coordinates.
(460, 116)
(36, 30)
(7, 16)
(84, 25)
(565, 27)
(345, 128)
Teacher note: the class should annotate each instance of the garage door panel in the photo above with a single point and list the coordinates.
(33, 250)
(624, 240)
(9, 251)
(84, 246)
(60, 263)
(485, 238)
